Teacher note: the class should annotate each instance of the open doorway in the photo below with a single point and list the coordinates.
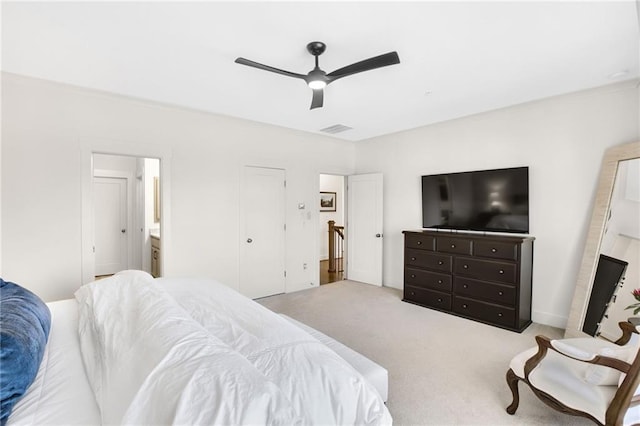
(332, 228)
(126, 214)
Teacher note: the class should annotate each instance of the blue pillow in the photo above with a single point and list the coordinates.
(25, 322)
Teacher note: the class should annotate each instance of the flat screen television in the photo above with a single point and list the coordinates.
(486, 200)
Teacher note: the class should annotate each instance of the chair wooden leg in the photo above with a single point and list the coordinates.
(512, 381)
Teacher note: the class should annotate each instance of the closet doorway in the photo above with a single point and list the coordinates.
(262, 227)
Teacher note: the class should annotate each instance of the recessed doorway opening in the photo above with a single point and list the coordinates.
(126, 214)
(332, 228)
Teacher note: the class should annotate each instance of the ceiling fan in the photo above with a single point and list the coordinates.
(317, 79)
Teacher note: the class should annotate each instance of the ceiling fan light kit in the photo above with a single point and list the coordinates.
(317, 79)
(317, 84)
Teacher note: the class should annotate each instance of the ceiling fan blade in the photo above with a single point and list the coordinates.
(380, 61)
(318, 97)
(249, 63)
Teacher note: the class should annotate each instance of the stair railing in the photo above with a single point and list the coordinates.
(336, 246)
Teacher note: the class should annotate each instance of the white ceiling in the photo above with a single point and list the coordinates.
(456, 58)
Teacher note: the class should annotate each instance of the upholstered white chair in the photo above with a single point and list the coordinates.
(588, 377)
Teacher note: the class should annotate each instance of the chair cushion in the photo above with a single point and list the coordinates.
(584, 344)
(25, 322)
(563, 378)
(601, 375)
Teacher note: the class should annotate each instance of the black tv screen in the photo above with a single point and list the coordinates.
(487, 200)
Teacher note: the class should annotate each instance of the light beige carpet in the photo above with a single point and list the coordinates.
(443, 370)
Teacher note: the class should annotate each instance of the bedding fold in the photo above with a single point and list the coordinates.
(149, 362)
(321, 386)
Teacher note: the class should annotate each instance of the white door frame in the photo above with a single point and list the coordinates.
(137, 232)
(127, 148)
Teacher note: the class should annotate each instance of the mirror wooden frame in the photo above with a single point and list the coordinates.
(586, 274)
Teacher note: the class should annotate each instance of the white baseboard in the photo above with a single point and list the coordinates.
(400, 287)
(552, 320)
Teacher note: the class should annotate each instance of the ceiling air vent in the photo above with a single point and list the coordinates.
(336, 128)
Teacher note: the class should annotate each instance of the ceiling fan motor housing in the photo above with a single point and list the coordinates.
(316, 48)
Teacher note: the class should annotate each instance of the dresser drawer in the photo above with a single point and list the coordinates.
(427, 279)
(453, 245)
(496, 249)
(482, 311)
(502, 294)
(425, 259)
(487, 270)
(426, 297)
(419, 241)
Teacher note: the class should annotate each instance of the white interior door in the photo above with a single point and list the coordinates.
(110, 206)
(364, 228)
(262, 248)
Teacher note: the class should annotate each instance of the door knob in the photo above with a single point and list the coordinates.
(249, 240)
(123, 230)
(378, 235)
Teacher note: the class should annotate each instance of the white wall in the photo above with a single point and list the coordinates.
(561, 139)
(48, 126)
(331, 183)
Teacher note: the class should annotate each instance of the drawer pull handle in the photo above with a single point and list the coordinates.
(493, 250)
(413, 293)
(464, 306)
(500, 293)
(440, 262)
(453, 246)
(413, 275)
(440, 299)
(501, 271)
(413, 258)
(419, 243)
(500, 314)
(465, 286)
(465, 266)
(439, 281)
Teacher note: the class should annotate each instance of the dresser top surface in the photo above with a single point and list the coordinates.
(468, 235)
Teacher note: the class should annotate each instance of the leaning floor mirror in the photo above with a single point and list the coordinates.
(610, 266)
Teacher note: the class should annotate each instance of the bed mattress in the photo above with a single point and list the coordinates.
(60, 394)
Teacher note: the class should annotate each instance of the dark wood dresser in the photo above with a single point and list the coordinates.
(485, 278)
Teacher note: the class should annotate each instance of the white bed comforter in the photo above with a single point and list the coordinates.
(196, 352)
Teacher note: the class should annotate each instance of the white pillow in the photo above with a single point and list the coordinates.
(601, 375)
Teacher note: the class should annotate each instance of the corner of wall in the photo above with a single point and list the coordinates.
(550, 319)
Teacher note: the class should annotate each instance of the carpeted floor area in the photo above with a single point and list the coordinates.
(443, 370)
